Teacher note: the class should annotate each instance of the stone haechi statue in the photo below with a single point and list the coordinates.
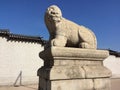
(65, 33)
(79, 67)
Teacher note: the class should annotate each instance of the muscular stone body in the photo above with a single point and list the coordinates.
(65, 33)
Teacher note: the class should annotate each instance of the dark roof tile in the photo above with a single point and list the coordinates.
(19, 37)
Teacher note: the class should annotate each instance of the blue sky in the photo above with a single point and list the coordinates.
(101, 16)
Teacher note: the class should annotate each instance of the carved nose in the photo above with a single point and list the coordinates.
(53, 13)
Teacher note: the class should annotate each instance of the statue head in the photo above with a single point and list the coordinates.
(53, 13)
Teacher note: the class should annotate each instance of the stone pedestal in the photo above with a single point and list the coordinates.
(73, 69)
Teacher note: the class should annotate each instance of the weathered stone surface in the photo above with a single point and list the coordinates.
(65, 53)
(96, 71)
(61, 73)
(65, 33)
(76, 62)
(76, 84)
(79, 56)
(102, 84)
(73, 69)
(83, 84)
(74, 72)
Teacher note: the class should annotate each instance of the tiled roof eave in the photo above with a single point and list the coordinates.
(19, 37)
(115, 53)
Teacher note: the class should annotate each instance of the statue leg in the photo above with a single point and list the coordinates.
(84, 45)
(59, 41)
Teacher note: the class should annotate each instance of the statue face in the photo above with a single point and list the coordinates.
(54, 13)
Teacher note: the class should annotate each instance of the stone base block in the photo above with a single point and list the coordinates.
(102, 84)
(96, 72)
(60, 72)
(57, 56)
(67, 85)
(75, 84)
(74, 72)
(73, 69)
(76, 62)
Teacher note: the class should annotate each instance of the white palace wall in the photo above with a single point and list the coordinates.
(113, 63)
(16, 56)
(23, 56)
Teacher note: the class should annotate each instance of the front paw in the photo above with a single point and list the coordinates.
(57, 42)
(54, 42)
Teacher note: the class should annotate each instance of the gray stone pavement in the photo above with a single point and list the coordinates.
(115, 86)
(23, 87)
